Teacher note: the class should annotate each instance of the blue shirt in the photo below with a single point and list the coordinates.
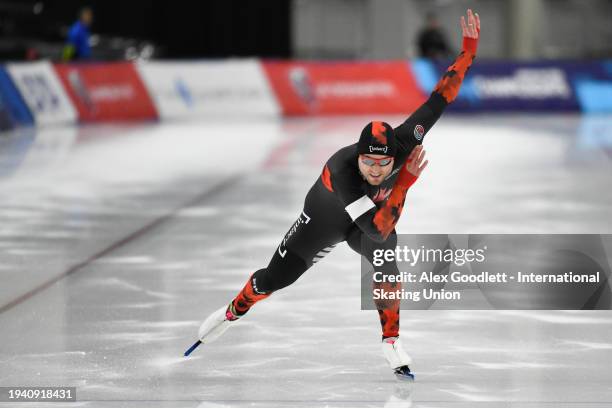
(78, 37)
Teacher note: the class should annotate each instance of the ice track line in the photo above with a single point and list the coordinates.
(217, 188)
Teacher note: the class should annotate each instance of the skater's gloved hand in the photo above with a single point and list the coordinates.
(471, 32)
(415, 164)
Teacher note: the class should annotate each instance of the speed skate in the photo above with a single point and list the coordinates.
(213, 327)
(397, 358)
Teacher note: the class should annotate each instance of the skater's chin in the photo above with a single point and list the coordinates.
(375, 180)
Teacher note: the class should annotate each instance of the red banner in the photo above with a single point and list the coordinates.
(106, 92)
(315, 88)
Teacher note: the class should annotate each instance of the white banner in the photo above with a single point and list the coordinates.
(214, 88)
(43, 93)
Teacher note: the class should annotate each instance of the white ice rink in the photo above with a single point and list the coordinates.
(116, 241)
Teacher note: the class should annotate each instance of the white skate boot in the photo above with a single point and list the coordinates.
(214, 326)
(398, 359)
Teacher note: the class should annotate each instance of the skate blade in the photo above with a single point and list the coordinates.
(403, 373)
(195, 346)
(405, 377)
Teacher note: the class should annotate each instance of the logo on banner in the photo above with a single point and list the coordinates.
(302, 85)
(356, 89)
(419, 132)
(92, 94)
(39, 93)
(525, 83)
(106, 91)
(79, 88)
(183, 92)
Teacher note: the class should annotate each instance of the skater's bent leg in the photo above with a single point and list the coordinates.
(388, 309)
(280, 273)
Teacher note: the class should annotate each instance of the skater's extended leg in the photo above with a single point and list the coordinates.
(307, 241)
(280, 273)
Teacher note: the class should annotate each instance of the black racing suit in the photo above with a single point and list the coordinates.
(343, 206)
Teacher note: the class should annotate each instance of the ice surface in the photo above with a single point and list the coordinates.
(161, 224)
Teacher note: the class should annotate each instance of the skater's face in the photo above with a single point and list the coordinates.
(375, 167)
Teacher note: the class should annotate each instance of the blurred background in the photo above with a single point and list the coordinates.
(317, 29)
(153, 154)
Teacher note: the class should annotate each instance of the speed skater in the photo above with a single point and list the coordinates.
(358, 198)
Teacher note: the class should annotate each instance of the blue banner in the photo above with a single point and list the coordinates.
(541, 86)
(594, 89)
(13, 110)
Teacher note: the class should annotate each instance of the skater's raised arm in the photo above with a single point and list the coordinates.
(378, 223)
(411, 132)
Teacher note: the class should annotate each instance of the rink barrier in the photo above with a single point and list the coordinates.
(13, 109)
(323, 88)
(205, 89)
(106, 92)
(535, 86)
(44, 94)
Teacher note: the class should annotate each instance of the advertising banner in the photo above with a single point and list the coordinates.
(42, 92)
(505, 86)
(106, 92)
(541, 86)
(194, 89)
(314, 88)
(13, 110)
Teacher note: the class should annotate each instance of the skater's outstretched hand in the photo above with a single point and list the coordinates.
(415, 164)
(470, 31)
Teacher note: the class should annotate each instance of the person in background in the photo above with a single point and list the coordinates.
(432, 41)
(77, 46)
